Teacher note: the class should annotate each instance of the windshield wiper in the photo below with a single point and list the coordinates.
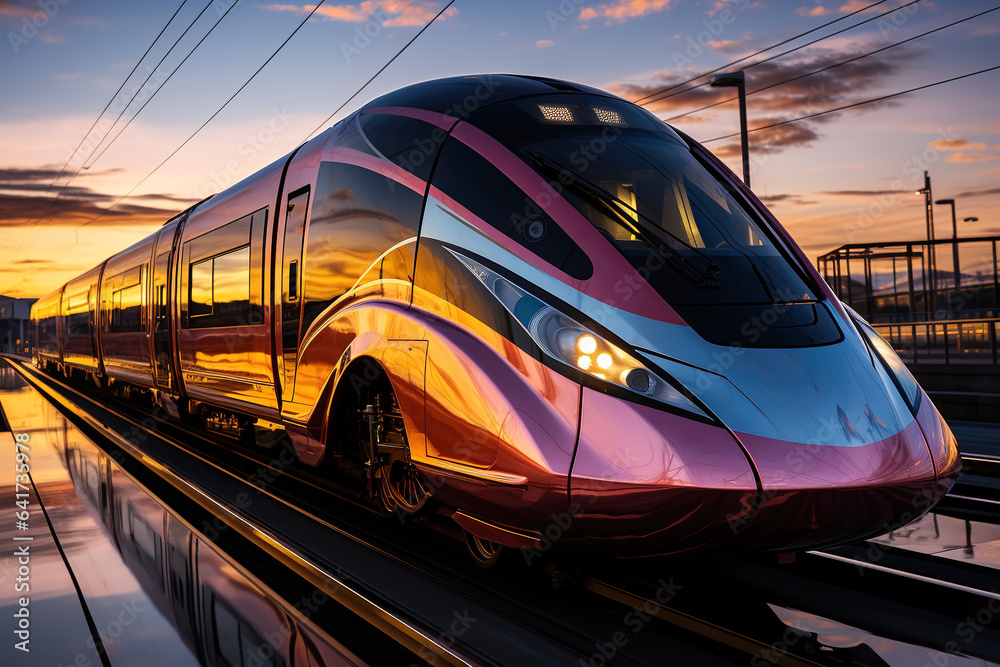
(639, 225)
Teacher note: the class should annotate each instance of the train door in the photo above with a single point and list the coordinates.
(159, 307)
(94, 321)
(291, 287)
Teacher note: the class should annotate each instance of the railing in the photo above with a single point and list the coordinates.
(944, 341)
(917, 280)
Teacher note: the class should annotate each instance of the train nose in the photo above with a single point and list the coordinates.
(646, 481)
(822, 494)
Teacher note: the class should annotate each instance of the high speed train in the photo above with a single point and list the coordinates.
(537, 307)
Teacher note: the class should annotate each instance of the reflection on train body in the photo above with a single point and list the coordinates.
(224, 618)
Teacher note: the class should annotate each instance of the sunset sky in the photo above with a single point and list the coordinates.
(834, 179)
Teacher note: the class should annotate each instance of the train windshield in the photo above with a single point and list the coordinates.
(638, 183)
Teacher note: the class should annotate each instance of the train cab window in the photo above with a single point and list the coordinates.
(472, 181)
(223, 275)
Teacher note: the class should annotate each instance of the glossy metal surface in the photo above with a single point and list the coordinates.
(804, 445)
(124, 315)
(79, 321)
(230, 364)
(647, 481)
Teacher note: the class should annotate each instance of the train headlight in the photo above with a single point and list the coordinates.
(566, 340)
(897, 370)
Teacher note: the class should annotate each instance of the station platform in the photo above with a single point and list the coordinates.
(73, 556)
(115, 576)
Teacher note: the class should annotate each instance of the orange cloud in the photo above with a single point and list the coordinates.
(400, 12)
(956, 144)
(785, 93)
(26, 194)
(8, 8)
(818, 10)
(544, 43)
(726, 45)
(622, 10)
(855, 5)
(971, 157)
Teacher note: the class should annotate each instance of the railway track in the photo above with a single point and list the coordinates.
(630, 618)
(404, 580)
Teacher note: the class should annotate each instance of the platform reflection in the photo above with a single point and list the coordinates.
(949, 537)
(158, 593)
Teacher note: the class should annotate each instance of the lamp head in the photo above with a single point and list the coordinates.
(945, 201)
(729, 79)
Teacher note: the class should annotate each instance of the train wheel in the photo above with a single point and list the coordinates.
(380, 449)
(486, 553)
(402, 489)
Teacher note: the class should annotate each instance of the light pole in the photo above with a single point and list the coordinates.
(929, 213)
(954, 239)
(738, 79)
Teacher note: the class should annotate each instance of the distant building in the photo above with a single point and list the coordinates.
(15, 326)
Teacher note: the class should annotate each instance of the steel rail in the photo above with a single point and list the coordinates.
(907, 575)
(406, 632)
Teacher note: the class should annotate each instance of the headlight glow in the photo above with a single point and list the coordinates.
(587, 344)
(564, 339)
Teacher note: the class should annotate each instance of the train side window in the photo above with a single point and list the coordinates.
(78, 314)
(222, 280)
(201, 288)
(475, 183)
(127, 312)
(231, 285)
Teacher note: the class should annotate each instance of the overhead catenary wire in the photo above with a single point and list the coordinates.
(94, 159)
(382, 69)
(764, 50)
(783, 53)
(121, 87)
(107, 106)
(829, 67)
(855, 104)
(245, 84)
(207, 121)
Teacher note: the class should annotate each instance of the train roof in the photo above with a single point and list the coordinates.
(461, 95)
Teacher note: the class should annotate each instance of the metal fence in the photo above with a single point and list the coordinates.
(943, 341)
(913, 281)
